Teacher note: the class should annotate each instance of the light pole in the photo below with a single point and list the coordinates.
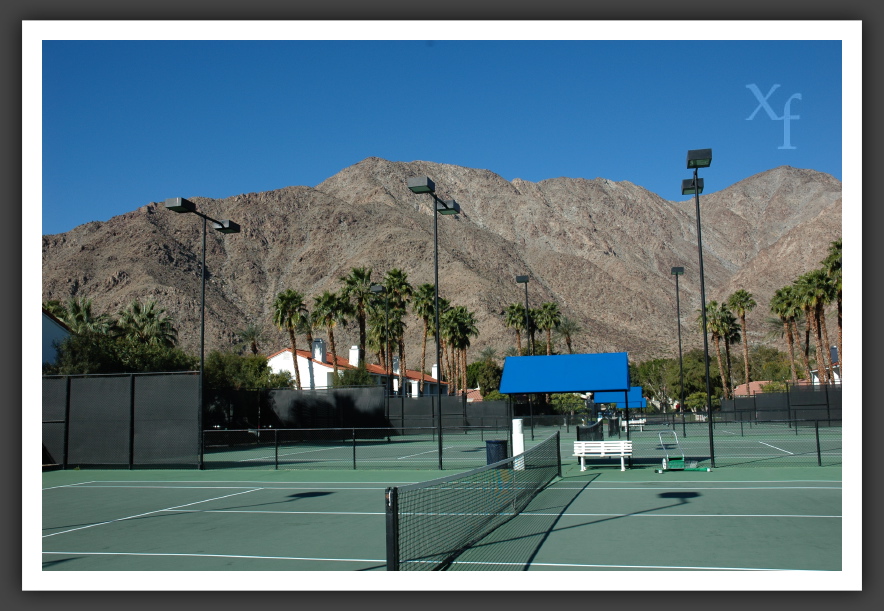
(524, 280)
(701, 158)
(378, 289)
(180, 204)
(679, 271)
(423, 184)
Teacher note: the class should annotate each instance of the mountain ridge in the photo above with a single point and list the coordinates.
(600, 249)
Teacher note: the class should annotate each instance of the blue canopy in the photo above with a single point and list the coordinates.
(565, 373)
(633, 398)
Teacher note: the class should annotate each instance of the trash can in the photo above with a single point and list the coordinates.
(495, 451)
(589, 433)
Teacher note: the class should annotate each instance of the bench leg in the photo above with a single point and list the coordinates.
(582, 463)
(622, 463)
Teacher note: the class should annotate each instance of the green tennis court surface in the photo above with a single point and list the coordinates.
(735, 519)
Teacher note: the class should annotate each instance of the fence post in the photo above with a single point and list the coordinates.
(354, 448)
(131, 420)
(819, 454)
(276, 448)
(67, 421)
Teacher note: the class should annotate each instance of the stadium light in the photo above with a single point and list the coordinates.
(182, 205)
(423, 184)
(524, 280)
(679, 271)
(701, 158)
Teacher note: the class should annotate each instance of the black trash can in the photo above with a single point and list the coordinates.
(495, 451)
(589, 433)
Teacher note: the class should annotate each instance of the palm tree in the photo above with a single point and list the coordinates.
(488, 354)
(287, 310)
(714, 315)
(567, 328)
(784, 306)
(457, 327)
(80, 319)
(357, 288)
(400, 293)
(740, 303)
(423, 306)
(331, 310)
(514, 318)
(548, 318)
(730, 333)
(813, 292)
(250, 337)
(146, 324)
(832, 265)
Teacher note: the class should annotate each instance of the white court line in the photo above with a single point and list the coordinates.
(382, 561)
(427, 452)
(522, 514)
(147, 513)
(703, 488)
(229, 487)
(776, 448)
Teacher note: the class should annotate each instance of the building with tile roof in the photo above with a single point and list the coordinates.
(317, 370)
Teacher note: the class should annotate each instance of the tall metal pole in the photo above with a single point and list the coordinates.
(531, 353)
(680, 365)
(703, 313)
(436, 313)
(199, 415)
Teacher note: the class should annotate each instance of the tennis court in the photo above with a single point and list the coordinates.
(759, 519)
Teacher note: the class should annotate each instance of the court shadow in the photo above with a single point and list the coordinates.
(514, 545)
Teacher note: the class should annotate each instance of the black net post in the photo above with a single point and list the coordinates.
(354, 449)
(392, 513)
(559, 453)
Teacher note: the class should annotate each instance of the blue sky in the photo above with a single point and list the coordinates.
(127, 122)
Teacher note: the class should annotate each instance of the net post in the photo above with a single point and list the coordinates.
(392, 516)
(559, 453)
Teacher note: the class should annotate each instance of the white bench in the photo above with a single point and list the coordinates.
(603, 449)
(638, 423)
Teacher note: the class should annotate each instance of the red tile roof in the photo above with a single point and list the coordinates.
(344, 363)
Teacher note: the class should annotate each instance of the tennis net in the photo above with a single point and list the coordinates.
(429, 524)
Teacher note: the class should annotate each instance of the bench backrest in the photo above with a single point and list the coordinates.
(602, 446)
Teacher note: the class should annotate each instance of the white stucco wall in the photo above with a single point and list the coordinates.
(318, 379)
(52, 332)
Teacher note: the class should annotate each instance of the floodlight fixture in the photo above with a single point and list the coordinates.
(691, 186)
(180, 204)
(699, 158)
(421, 184)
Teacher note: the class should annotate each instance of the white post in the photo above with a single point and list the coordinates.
(518, 445)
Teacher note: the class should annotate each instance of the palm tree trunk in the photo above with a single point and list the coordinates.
(826, 354)
(724, 383)
(790, 340)
(805, 353)
(424, 355)
(548, 342)
(295, 358)
(519, 341)
(745, 348)
(331, 344)
(820, 359)
(402, 365)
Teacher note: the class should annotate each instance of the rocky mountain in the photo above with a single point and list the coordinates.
(602, 250)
